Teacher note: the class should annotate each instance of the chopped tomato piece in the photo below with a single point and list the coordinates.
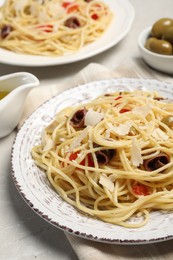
(124, 110)
(94, 16)
(73, 156)
(66, 4)
(46, 28)
(140, 189)
(98, 5)
(118, 97)
(72, 9)
(90, 161)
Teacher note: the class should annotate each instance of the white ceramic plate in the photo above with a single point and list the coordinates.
(123, 17)
(34, 186)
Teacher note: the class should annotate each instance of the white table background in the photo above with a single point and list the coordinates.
(23, 234)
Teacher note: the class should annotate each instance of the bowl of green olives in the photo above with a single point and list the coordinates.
(156, 45)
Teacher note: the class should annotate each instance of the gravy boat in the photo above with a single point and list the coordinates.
(11, 106)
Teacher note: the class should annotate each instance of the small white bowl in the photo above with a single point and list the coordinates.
(159, 62)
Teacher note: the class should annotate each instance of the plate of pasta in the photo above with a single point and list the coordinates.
(44, 33)
(99, 164)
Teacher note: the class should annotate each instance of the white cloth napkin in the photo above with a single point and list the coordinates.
(86, 249)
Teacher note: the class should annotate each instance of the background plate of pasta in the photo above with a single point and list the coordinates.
(44, 32)
(99, 164)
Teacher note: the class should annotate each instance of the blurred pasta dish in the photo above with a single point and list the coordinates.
(52, 27)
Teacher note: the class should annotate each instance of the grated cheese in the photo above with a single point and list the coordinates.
(136, 156)
(56, 10)
(92, 117)
(142, 110)
(42, 16)
(52, 126)
(55, 27)
(34, 10)
(159, 135)
(18, 5)
(77, 141)
(122, 129)
(47, 142)
(106, 182)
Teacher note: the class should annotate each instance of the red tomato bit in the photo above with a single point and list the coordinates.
(118, 97)
(94, 16)
(70, 7)
(46, 28)
(124, 110)
(140, 189)
(66, 4)
(73, 156)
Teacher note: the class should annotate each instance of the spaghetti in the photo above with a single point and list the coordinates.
(112, 158)
(52, 27)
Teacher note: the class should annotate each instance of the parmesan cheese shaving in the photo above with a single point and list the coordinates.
(18, 5)
(62, 139)
(34, 10)
(107, 133)
(170, 119)
(52, 126)
(47, 142)
(147, 126)
(136, 156)
(56, 10)
(159, 135)
(122, 129)
(92, 117)
(77, 141)
(106, 182)
(42, 16)
(55, 27)
(143, 110)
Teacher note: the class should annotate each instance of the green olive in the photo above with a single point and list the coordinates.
(159, 46)
(160, 26)
(168, 120)
(168, 35)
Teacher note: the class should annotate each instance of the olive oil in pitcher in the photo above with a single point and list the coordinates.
(3, 93)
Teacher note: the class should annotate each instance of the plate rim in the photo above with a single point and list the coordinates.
(10, 57)
(46, 217)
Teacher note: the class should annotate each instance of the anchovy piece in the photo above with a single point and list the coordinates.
(156, 162)
(72, 23)
(104, 156)
(5, 31)
(78, 118)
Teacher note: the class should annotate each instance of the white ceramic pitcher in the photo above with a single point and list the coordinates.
(11, 106)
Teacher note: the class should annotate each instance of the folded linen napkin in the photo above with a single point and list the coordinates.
(91, 250)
